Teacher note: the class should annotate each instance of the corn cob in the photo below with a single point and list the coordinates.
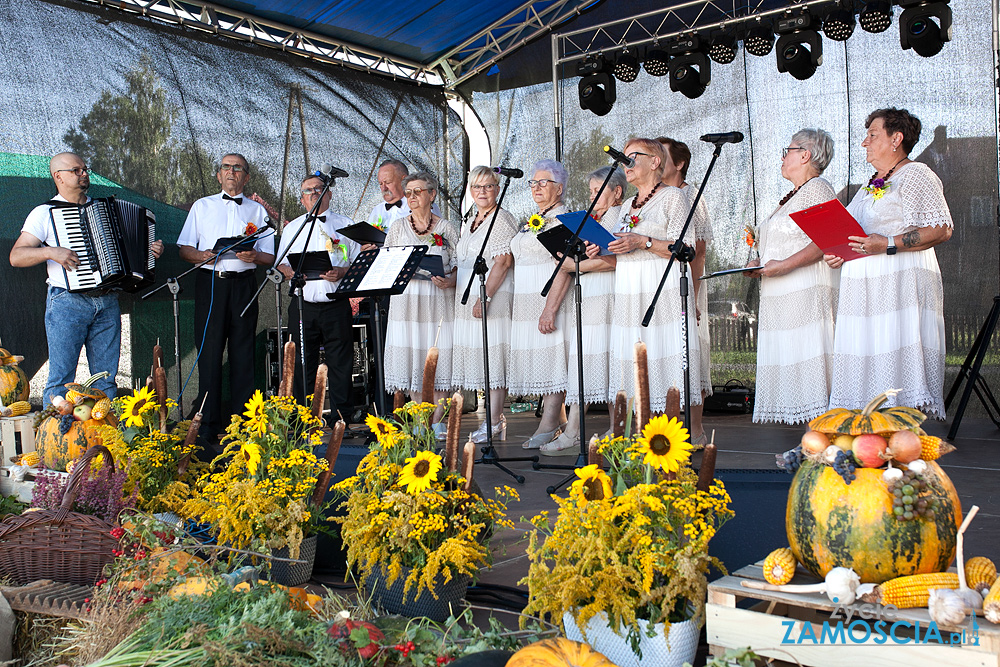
(932, 448)
(911, 591)
(992, 603)
(15, 409)
(779, 566)
(31, 459)
(980, 573)
(101, 409)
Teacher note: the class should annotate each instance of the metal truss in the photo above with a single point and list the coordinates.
(236, 25)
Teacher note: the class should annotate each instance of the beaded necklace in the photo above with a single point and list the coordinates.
(476, 222)
(791, 194)
(877, 187)
(633, 219)
(413, 225)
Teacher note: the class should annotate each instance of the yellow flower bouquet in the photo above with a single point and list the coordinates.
(631, 543)
(409, 515)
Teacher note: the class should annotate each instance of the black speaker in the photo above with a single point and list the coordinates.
(733, 397)
(331, 556)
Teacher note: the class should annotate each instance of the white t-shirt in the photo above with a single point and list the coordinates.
(39, 224)
(315, 291)
(212, 218)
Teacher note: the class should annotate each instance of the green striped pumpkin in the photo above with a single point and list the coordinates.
(831, 524)
(13, 382)
(57, 449)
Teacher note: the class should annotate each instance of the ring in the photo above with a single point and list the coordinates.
(861, 249)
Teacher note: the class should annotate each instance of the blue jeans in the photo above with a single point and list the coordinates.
(73, 321)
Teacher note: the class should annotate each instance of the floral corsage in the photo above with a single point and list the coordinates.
(750, 235)
(436, 240)
(250, 229)
(336, 246)
(534, 224)
(877, 188)
(631, 221)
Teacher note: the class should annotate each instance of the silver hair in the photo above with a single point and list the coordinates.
(218, 165)
(555, 168)
(399, 166)
(482, 173)
(425, 176)
(617, 181)
(819, 143)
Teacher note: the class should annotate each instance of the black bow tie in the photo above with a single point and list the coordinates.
(398, 203)
(321, 218)
(238, 200)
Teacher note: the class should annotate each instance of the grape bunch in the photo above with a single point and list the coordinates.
(45, 414)
(844, 466)
(791, 460)
(909, 499)
(65, 422)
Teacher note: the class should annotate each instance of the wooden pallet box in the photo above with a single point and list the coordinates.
(810, 629)
(17, 435)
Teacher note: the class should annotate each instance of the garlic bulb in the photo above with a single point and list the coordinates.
(891, 474)
(918, 467)
(973, 599)
(830, 454)
(946, 606)
(842, 585)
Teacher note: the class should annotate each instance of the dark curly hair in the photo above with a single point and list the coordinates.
(898, 120)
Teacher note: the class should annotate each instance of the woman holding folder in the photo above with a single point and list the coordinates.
(890, 319)
(798, 294)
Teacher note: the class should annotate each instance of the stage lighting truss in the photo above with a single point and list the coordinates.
(626, 67)
(918, 29)
(723, 47)
(689, 67)
(656, 62)
(759, 40)
(597, 85)
(799, 49)
(876, 16)
(839, 24)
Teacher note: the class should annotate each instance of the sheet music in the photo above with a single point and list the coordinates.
(384, 270)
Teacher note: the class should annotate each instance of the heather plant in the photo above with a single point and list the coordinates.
(102, 493)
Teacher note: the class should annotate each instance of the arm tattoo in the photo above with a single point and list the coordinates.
(911, 239)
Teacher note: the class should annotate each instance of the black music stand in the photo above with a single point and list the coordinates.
(969, 373)
(390, 275)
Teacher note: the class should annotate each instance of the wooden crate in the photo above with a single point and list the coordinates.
(17, 434)
(771, 617)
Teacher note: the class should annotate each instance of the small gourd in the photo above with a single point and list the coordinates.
(13, 381)
(558, 652)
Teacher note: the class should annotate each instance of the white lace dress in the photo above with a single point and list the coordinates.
(796, 319)
(890, 317)
(536, 364)
(637, 276)
(597, 305)
(415, 314)
(701, 230)
(467, 344)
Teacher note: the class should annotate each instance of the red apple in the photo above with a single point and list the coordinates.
(904, 446)
(869, 450)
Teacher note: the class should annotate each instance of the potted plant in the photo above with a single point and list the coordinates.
(624, 563)
(415, 528)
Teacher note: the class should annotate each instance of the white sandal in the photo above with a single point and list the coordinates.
(561, 446)
(539, 439)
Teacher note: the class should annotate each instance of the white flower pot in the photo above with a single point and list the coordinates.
(657, 651)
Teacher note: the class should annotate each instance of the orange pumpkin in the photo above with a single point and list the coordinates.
(558, 652)
(57, 449)
(13, 382)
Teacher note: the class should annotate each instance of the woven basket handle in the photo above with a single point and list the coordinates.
(80, 472)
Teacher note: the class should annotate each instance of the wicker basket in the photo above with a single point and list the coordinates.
(61, 545)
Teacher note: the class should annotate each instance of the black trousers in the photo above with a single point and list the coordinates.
(226, 298)
(326, 325)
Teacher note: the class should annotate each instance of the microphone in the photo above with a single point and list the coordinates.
(270, 223)
(330, 171)
(509, 173)
(723, 138)
(618, 156)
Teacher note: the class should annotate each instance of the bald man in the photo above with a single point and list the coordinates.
(72, 320)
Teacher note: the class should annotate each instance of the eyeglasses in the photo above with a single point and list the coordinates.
(784, 151)
(541, 183)
(235, 168)
(77, 171)
(487, 187)
(416, 192)
(635, 154)
(311, 191)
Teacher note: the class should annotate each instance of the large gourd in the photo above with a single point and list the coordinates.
(831, 524)
(13, 382)
(57, 445)
(558, 652)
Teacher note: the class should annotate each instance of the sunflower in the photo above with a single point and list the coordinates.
(535, 223)
(251, 454)
(256, 417)
(593, 484)
(380, 427)
(420, 471)
(665, 443)
(132, 406)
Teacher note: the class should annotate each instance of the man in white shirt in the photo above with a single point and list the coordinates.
(390, 181)
(223, 288)
(326, 322)
(72, 319)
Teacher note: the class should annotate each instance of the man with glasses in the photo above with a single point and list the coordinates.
(390, 181)
(72, 320)
(325, 322)
(223, 288)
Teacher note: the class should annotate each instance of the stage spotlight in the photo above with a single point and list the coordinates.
(656, 62)
(597, 86)
(799, 49)
(876, 16)
(626, 67)
(839, 24)
(723, 48)
(759, 40)
(919, 31)
(690, 74)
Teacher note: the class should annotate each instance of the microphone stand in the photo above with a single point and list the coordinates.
(490, 455)
(577, 249)
(683, 254)
(174, 286)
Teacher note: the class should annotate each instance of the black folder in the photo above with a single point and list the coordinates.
(317, 263)
(363, 233)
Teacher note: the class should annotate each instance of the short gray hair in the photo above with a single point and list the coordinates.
(399, 166)
(482, 173)
(819, 143)
(555, 168)
(618, 180)
(425, 176)
(246, 162)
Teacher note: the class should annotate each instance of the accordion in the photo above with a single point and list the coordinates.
(113, 240)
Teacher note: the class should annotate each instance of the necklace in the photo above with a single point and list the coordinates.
(877, 187)
(537, 221)
(477, 221)
(413, 225)
(647, 197)
(791, 194)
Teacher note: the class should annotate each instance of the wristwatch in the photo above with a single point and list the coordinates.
(488, 299)
(649, 242)
(890, 248)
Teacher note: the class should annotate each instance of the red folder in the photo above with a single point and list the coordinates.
(828, 225)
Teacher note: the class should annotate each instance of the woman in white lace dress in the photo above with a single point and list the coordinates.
(890, 316)
(467, 370)
(536, 364)
(428, 303)
(646, 226)
(798, 294)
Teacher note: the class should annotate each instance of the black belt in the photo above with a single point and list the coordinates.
(229, 275)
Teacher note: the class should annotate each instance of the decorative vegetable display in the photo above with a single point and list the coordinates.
(833, 524)
(871, 419)
(779, 566)
(911, 591)
(13, 382)
(558, 652)
(63, 437)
